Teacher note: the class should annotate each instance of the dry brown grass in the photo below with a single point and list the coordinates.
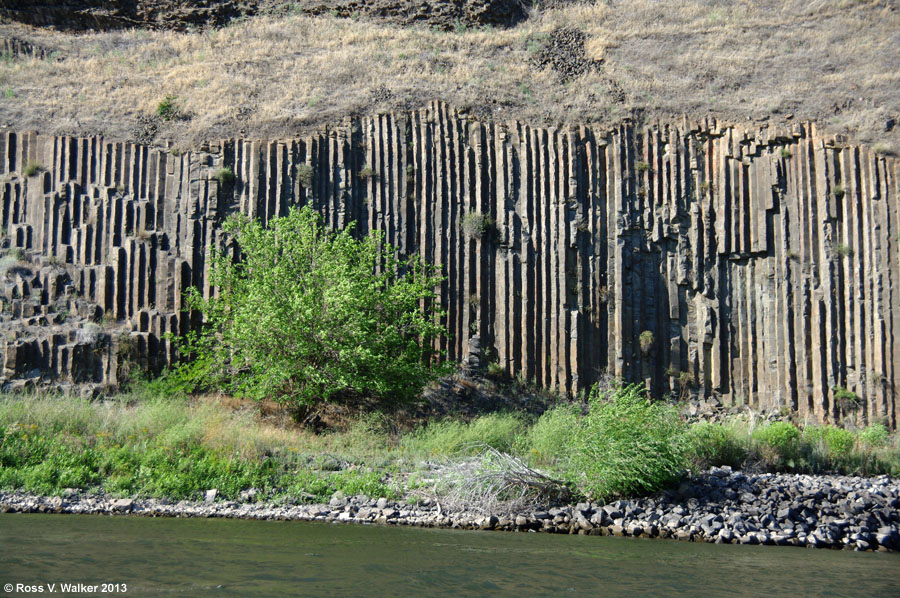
(833, 61)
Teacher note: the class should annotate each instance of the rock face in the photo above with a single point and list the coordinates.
(758, 268)
(80, 15)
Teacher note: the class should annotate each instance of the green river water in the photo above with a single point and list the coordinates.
(217, 557)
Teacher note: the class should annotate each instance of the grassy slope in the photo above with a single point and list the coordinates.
(833, 61)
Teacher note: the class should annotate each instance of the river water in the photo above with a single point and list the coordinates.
(218, 557)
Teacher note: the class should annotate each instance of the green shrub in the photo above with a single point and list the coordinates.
(32, 168)
(313, 315)
(827, 447)
(167, 109)
(840, 442)
(874, 436)
(548, 440)
(626, 444)
(715, 444)
(224, 175)
(496, 370)
(777, 443)
(305, 174)
(844, 398)
(476, 225)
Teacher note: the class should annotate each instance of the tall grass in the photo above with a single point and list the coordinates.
(625, 445)
(164, 447)
(449, 437)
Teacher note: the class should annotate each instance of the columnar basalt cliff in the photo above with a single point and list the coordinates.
(760, 268)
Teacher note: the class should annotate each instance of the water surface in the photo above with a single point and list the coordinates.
(218, 557)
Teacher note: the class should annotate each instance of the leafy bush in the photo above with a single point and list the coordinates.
(715, 444)
(874, 436)
(497, 371)
(840, 442)
(312, 315)
(777, 443)
(626, 444)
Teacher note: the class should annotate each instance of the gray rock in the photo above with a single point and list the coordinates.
(338, 500)
(122, 505)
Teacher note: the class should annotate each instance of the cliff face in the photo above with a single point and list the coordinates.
(759, 268)
(102, 15)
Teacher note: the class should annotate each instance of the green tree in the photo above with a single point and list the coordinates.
(307, 314)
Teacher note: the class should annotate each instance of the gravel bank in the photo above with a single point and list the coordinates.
(720, 506)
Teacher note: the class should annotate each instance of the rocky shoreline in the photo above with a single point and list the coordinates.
(719, 506)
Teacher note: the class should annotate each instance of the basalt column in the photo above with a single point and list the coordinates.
(757, 267)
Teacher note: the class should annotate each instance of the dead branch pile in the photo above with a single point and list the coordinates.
(491, 482)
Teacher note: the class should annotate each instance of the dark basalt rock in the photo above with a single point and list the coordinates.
(82, 15)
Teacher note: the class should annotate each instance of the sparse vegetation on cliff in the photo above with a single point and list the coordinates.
(224, 175)
(476, 225)
(32, 168)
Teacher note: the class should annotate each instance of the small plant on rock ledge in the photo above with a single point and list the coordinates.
(224, 175)
(842, 250)
(32, 168)
(845, 399)
(366, 173)
(496, 371)
(305, 174)
(646, 340)
(476, 225)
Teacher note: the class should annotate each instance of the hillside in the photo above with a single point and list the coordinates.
(286, 72)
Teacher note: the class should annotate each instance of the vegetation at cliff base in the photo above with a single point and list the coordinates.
(307, 315)
(142, 444)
